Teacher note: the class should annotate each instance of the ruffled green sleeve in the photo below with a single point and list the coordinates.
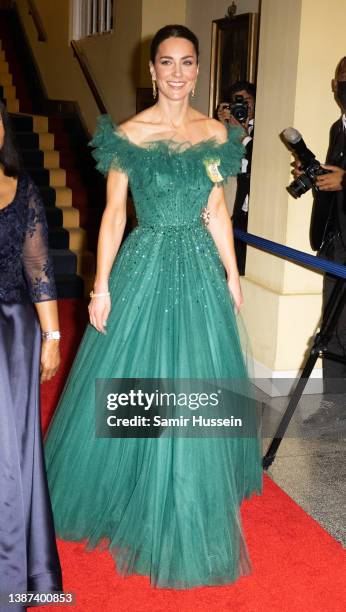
(111, 150)
(231, 152)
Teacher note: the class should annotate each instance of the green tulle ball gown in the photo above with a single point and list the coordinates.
(167, 507)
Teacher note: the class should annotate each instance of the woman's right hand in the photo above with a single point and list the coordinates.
(99, 309)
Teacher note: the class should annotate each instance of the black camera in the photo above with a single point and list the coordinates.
(311, 168)
(239, 109)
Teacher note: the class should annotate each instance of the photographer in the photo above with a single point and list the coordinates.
(328, 221)
(240, 111)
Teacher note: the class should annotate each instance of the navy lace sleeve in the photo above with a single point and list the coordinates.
(38, 268)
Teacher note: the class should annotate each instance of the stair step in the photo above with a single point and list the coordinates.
(58, 238)
(54, 217)
(85, 263)
(8, 92)
(48, 195)
(63, 196)
(57, 177)
(36, 158)
(64, 261)
(40, 124)
(70, 216)
(5, 78)
(27, 140)
(56, 196)
(78, 238)
(46, 141)
(69, 285)
(12, 106)
(29, 123)
(51, 159)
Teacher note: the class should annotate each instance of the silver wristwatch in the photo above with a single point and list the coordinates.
(51, 335)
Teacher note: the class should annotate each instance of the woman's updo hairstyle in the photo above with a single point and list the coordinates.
(172, 31)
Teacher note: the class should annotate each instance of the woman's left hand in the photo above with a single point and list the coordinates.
(235, 289)
(50, 359)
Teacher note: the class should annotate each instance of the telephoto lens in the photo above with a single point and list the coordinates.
(311, 168)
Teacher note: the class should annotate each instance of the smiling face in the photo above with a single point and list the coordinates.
(175, 69)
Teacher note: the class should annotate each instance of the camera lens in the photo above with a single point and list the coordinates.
(240, 114)
(299, 186)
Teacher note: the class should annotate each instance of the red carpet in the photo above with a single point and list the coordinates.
(297, 566)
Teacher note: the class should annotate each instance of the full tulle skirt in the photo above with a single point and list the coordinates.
(166, 507)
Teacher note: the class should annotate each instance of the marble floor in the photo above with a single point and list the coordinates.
(310, 462)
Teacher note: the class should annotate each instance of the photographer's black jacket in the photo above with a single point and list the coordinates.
(329, 209)
(243, 186)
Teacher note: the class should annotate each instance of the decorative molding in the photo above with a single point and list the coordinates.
(231, 11)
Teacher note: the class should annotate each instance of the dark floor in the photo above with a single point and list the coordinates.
(310, 463)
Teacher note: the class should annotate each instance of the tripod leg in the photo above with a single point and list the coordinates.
(297, 393)
(332, 311)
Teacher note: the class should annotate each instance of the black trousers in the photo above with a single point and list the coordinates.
(240, 222)
(337, 344)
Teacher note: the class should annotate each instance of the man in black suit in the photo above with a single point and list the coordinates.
(328, 222)
(241, 204)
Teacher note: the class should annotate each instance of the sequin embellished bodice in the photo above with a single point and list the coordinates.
(170, 182)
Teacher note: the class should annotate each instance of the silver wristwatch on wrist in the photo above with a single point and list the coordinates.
(51, 335)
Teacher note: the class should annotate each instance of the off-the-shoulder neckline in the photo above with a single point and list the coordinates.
(174, 145)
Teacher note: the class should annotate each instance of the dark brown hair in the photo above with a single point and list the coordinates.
(172, 31)
(9, 156)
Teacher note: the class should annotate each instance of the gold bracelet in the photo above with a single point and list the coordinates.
(93, 295)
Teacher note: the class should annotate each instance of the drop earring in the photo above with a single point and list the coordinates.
(154, 89)
(193, 91)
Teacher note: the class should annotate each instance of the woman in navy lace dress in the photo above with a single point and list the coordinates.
(28, 554)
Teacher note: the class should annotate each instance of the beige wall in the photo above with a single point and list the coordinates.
(155, 15)
(282, 300)
(114, 58)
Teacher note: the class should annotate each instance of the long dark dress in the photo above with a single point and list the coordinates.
(28, 554)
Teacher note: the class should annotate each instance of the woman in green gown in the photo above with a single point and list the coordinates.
(163, 307)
